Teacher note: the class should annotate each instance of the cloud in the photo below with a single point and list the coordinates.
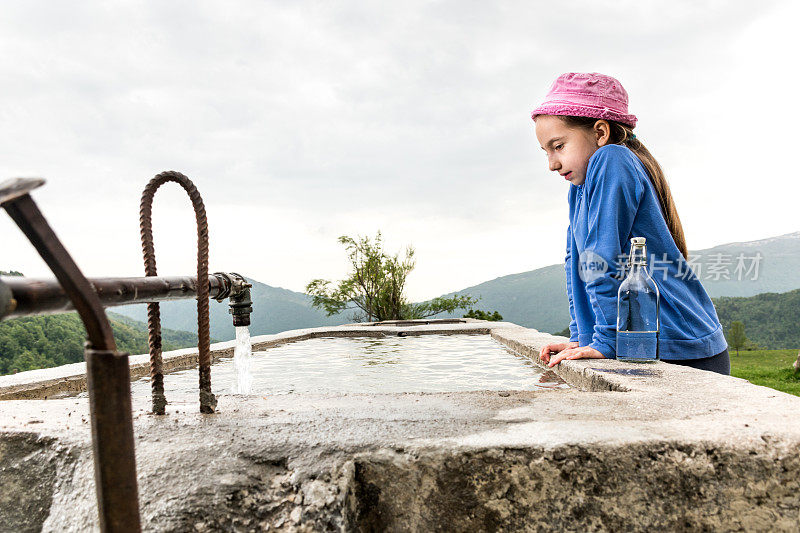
(317, 119)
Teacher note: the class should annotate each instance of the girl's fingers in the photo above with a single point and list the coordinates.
(582, 352)
(572, 353)
(560, 356)
(552, 354)
(544, 355)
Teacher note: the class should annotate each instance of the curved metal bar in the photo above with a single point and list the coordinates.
(207, 400)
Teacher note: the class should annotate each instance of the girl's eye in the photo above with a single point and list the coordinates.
(559, 147)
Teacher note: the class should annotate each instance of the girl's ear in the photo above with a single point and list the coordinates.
(602, 132)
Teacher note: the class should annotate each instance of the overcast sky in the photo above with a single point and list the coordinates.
(303, 121)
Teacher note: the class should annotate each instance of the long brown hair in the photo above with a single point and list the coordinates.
(622, 134)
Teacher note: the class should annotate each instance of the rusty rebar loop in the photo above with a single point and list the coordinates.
(207, 400)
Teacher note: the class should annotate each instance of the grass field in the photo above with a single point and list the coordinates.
(771, 368)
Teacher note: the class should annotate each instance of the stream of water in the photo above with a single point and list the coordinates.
(242, 356)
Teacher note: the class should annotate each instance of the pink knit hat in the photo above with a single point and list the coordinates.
(589, 94)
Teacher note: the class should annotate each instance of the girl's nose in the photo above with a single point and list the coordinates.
(554, 165)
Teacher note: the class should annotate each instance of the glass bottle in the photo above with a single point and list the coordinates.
(637, 310)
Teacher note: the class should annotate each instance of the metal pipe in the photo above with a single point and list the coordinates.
(108, 374)
(46, 296)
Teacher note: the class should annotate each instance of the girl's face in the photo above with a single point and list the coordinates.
(569, 148)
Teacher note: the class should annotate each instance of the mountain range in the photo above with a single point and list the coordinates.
(536, 298)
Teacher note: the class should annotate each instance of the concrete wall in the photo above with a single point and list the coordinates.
(627, 448)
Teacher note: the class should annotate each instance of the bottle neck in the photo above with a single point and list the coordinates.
(638, 257)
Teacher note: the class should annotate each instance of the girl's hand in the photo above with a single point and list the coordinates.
(580, 352)
(555, 347)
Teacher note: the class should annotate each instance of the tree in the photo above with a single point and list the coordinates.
(374, 288)
(484, 315)
(33, 342)
(736, 336)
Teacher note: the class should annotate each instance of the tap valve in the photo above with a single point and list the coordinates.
(238, 293)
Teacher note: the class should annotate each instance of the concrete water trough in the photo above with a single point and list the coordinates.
(624, 447)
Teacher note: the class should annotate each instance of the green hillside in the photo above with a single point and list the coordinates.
(46, 341)
(770, 319)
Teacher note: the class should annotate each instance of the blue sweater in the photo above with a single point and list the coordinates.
(615, 203)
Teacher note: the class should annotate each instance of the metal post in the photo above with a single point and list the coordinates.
(108, 374)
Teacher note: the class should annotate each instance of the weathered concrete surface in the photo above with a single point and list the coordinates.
(676, 449)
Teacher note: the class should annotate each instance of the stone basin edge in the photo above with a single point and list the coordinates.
(588, 375)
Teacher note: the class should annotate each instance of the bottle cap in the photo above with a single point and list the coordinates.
(638, 240)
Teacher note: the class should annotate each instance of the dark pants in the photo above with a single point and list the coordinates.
(720, 363)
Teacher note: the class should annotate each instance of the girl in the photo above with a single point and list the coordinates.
(618, 191)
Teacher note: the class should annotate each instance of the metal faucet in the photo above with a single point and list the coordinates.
(241, 305)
